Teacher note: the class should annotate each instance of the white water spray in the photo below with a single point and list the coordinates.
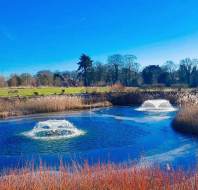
(159, 105)
(53, 130)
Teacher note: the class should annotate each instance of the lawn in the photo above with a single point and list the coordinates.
(10, 92)
(44, 91)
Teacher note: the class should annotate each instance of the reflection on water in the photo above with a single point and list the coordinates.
(117, 134)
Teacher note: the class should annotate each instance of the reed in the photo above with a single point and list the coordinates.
(98, 177)
(47, 104)
(186, 120)
(50, 104)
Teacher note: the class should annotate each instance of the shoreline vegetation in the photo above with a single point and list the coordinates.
(81, 98)
(106, 176)
(186, 120)
(25, 106)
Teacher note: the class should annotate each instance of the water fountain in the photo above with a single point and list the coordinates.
(53, 130)
(160, 105)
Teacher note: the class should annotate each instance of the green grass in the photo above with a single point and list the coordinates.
(25, 92)
(45, 91)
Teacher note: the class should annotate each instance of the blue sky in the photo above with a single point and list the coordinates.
(49, 34)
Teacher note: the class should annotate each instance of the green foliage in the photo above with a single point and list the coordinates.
(85, 68)
(123, 69)
(151, 74)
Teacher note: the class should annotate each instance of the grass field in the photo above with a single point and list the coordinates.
(10, 92)
(44, 91)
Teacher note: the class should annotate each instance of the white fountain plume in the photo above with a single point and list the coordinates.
(160, 105)
(54, 130)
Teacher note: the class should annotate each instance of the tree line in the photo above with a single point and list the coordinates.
(123, 69)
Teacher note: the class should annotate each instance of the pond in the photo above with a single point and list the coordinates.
(115, 134)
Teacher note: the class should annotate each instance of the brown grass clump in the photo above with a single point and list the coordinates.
(99, 177)
(51, 104)
(47, 104)
(187, 120)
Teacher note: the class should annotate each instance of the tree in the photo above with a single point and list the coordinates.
(14, 80)
(194, 74)
(131, 70)
(26, 79)
(44, 78)
(186, 68)
(170, 67)
(151, 74)
(84, 69)
(115, 61)
(2, 81)
(58, 79)
(164, 78)
(100, 73)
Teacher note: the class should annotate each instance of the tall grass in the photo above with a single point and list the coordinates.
(99, 177)
(46, 104)
(51, 104)
(187, 120)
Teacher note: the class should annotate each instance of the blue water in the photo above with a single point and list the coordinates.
(117, 134)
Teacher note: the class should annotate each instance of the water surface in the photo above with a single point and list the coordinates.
(117, 134)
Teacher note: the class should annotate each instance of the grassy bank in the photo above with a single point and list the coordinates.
(186, 120)
(99, 177)
(46, 91)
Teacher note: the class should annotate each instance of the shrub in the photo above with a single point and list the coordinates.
(36, 93)
(63, 91)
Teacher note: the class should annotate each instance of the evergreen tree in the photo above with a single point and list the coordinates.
(85, 69)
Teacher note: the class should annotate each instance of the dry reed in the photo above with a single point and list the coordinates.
(51, 104)
(46, 104)
(99, 177)
(187, 120)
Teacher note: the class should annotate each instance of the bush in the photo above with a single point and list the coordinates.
(63, 91)
(36, 93)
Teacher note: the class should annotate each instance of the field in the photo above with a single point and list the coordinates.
(44, 91)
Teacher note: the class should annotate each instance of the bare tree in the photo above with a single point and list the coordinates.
(115, 61)
(132, 68)
(26, 79)
(186, 69)
(2, 81)
(170, 67)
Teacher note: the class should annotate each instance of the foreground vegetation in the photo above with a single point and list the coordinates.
(99, 177)
(186, 120)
